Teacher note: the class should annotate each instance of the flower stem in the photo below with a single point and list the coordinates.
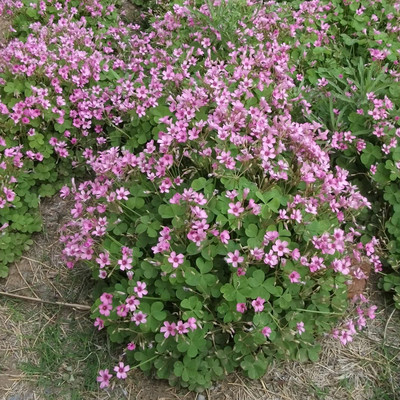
(318, 312)
(144, 362)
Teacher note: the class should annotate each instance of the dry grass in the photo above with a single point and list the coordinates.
(52, 352)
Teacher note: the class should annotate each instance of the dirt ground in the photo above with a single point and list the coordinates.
(36, 336)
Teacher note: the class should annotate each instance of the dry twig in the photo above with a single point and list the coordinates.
(81, 307)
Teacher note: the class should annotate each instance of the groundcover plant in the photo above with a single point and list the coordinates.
(221, 231)
(353, 87)
(50, 53)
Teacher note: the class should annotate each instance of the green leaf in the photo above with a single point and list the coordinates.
(348, 40)
(157, 311)
(141, 228)
(229, 292)
(252, 231)
(199, 184)
(192, 276)
(382, 175)
(312, 75)
(149, 270)
(170, 210)
(192, 249)
(313, 353)
(269, 285)
(47, 190)
(255, 367)
(30, 12)
(178, 368)
(257, 278)
(192, 303)
(274, 204)
(3, 271)
(204, 266)
(183, 346)
(152, 232)
(394, 90)
(160, 111)
(121, 228)
(9, 88)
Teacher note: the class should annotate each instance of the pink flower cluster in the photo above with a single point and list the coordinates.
(172, 329)
(349, 329)
(105, 376)
(228, 120)
(261, 136)
(130, 306)
(258, 305)
(11, 162)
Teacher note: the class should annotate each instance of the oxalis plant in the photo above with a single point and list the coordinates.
(50, 55)
(220, 233)
(350, 77)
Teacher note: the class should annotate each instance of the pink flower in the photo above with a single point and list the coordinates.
(182, 327)
(224, 236)
(316, 263)
(197, 236)
(139, 318)
(99, 323)
(125, 263)
(270, 236)
(322, 82)
(103, 259)
(106, 298)
(105, 309)
(257, 253)
(361, 322)
(294, 277)
(300, 327)
(10, 195)
(266, 331)
(234, 258)
(131, 346)
(281, 248)
(131, 303)
(104, 378)
(255, 208)
(351, 328)
(192, 323)
(122, 311)
(175, 259)
(140, 289)
(121, 369)
(168, 329)
(345, 337)
(102, 274)
(258, 304)
(64, 192)
(371, 312)
(271, 259)
(231, 194)
(122, 194)
(235, 208)
(241, 307)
